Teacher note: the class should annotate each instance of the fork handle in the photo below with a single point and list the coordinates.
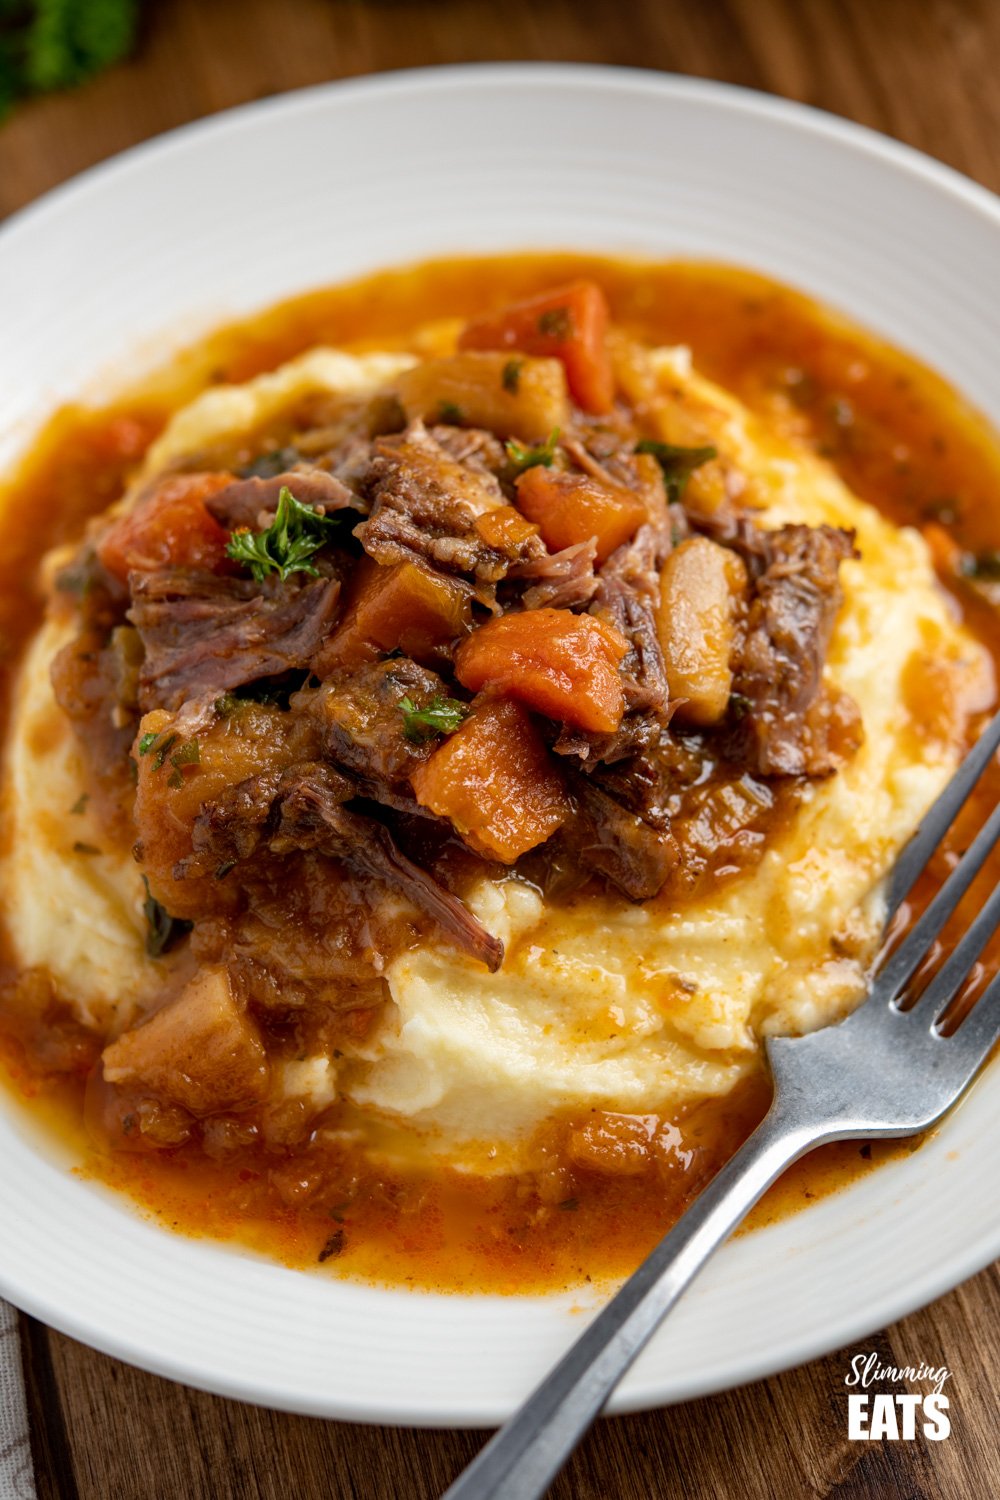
(522, 1459)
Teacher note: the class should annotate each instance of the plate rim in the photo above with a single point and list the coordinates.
(862, 140)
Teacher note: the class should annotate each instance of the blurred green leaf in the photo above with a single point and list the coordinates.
(54, 44)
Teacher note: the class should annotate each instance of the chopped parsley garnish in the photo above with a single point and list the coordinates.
(556, 323)
(439, 716)
(521, 457)
(163, 929)
(449, 412)
(186, 755)
(677, 463)
(81, 802)
(511, 376)
(163, 750)
(739, 705)
(296, 533)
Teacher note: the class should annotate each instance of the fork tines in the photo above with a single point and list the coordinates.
(901, 965)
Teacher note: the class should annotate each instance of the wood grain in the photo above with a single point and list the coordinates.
(922, 70)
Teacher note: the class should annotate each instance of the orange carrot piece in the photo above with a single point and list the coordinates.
(570, 508)
(403, 607)
(496, 782)
(561, 664)
(569, 323)
(505, 528)
(171, 529)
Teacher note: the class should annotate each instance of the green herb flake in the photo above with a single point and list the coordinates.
(224, 706)
(146, 743)
(739, 705)
(439, 716)
(187, 755)
(163, 930)
(285, 547)
(510, 379)
(678, 464)
(223, 870)
(162, 751)
(521, 457)
(556, 323)
(80, 804)
(448, 411)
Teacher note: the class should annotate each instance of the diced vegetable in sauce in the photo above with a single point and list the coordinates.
(571, 508)
(495, 781)
(475, 389)
(700, 592)
(569, 324)
(404, 607)
(170, 529)
(558, 663)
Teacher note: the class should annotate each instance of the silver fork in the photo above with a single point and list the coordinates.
(885, 1071)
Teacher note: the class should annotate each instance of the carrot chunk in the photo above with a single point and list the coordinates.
(563, 665)
(505, 528)
(403, 607)
(496, 782)
(170, 529)
(570, 324)
(570, 508)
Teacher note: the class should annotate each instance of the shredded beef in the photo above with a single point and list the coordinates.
(558, 580)
(779, 671)
(362, 726)
(628, 593)
(425, 505)
(302, 809)
(205, 635)
(251, 502)
(624, 848)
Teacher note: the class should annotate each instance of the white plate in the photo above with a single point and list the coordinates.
(222, 217)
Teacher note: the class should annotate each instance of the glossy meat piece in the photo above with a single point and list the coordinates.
(618, 844)
(303, 810)
(779, 670)
(628, 594)
(205, 635)
(361, 723)
(252, 502)
(200, 1051)
(425, 504)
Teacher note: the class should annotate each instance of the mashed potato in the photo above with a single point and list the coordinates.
(606, 1003)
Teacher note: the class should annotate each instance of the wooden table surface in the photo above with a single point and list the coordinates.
(923, 71)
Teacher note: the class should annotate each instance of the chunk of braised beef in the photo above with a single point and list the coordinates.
(204, 634)
(363, 726)
(779, 670)
(425, 505)
(475, 447)
(251, 502)
(303, 809)
(628, 594)
(558, 580)
(616, 843)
